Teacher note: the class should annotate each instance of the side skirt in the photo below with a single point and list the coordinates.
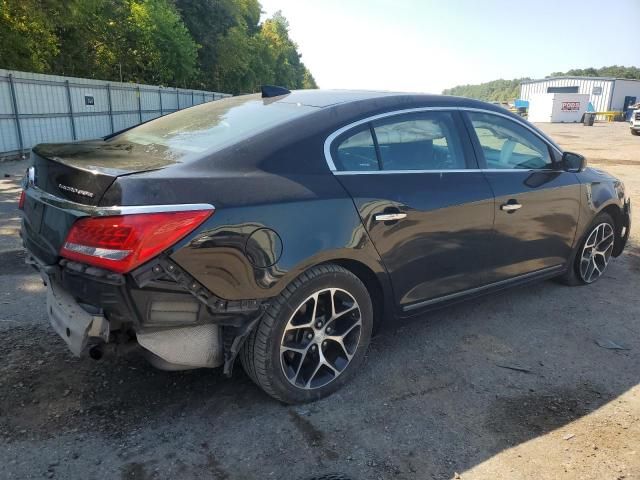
(433, 303)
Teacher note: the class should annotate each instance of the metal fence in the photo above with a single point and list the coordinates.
(36, 108)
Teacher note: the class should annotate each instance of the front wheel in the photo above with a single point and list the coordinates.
(312, 338)
(594, 252)
(634, 132)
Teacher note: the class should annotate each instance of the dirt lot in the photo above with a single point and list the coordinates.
(433, 400)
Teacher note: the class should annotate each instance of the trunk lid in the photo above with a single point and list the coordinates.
(80, 172)
(83, 171)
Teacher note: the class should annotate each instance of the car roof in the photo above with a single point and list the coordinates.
(326, 98)
(365, 102)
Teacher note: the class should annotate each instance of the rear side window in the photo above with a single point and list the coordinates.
(409, 142)
(507, 145)
(357, 152)
(424, 141)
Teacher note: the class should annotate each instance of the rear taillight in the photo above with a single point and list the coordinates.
(122, 243)
(21, 201)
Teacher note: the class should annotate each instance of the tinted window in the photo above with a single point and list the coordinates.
(507, 145)
(425, 141)
(357, 152)
(208, 127)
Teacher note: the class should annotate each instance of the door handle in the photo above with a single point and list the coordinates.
(510, 207)
(389, 217)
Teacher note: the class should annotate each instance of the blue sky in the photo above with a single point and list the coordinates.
(429, 45)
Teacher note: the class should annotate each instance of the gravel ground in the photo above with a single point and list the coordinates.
(511, 386)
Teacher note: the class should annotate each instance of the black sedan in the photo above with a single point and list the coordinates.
(284, 228)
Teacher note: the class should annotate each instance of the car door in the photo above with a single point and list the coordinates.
(426, 206)
(536, 202)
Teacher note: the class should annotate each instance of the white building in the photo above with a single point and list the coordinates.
(605, 93)
(557, 107)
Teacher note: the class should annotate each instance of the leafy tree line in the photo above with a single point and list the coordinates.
(508, 90)
(616, 71)
(494, 91)
(207, 44)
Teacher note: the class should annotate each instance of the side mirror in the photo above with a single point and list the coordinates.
(573, 162)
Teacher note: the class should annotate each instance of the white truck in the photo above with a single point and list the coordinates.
(634, 123)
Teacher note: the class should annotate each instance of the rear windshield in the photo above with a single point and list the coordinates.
(210, 126)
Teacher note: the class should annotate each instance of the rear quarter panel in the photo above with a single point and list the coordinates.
(307, 233)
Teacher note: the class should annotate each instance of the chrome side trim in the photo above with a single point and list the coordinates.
(531, 170)
(340, 131)
(96, 211)
(464, 293)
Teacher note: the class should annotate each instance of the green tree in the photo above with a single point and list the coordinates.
(136, 40)
(212, 44)
(289, 71)
(307, 80)
(239, 54)
(27, 37)
(232, 71)
(616, 71)
(494, 91)
(210, 22)
(91, 37)
(162, 50)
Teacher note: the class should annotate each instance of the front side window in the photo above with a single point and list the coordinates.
(507, 145)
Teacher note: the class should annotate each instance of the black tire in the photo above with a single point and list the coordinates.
(260, 355)
(634, 132)
(572, 277)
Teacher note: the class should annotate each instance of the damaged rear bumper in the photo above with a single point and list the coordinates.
(73, 323)
(175, 326)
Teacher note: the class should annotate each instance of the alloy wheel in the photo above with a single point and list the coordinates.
(320, 338)
(596, 252)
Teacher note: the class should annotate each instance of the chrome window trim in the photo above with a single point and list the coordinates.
(531, 170)
(396, 172)
(96, 211)
(458, 170)
(329, 140)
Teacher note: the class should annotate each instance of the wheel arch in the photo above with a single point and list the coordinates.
(615, 212)
(374, 286)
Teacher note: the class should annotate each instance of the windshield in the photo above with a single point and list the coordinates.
(210, 126)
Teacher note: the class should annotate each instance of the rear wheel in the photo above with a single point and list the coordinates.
(592, 257)
(312, 338)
